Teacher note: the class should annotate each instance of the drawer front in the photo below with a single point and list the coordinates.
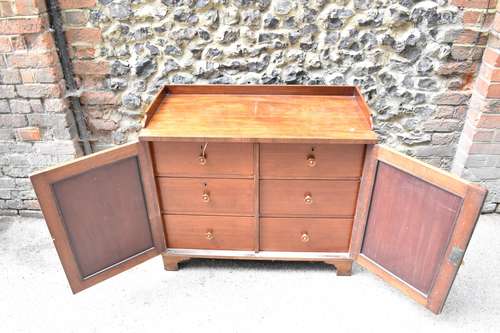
(210, 232)
(183, 159)
(308, 197)
(207, 196)
(311, 161)
(305, 234)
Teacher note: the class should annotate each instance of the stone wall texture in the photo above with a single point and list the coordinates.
(416, 62)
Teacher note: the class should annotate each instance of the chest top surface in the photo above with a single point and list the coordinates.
(257, 113)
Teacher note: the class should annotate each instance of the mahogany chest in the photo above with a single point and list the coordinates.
(263, 173)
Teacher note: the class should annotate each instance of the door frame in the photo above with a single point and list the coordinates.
(42, 183)
(472, 196)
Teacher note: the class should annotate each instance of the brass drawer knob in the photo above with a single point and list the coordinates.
(311, 161)
(308, 199)
(202, 159)
(305, 237)
(205, 197)
(209, 235)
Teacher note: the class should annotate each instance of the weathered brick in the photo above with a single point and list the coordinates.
(90, 67)
(6, 134)
(76, 4)
(49, 120)
(75, 17)
(36, 105)
(27, 75)
(98, 97)
(443, 138)
(55, 147)
(6, 9)
(10, 76)
(31, 213)
(14, 26)
(7, 91)
(84, 35)
(486, 172)
(7, 182)
(442, 125)
(483, 136)
(451, 98)
(5, 194)
(30, 204)
(476, 161)
(490, 73)
(82, 52)
(453, 68)
(485, 148)
(14, 204)
(39, 90)
(8, 212)
(474, 3)
(472, 17)
(4, 106)
(488, 89)
(33, 60)
(30, 7)
(489, 121)
(19, 42)
(12, 120)
(41, 41)
(24, 194)
(469, 36)
(102, 124)
(20, 106)
(430, 151)
(492, 57)
(55, 105)
(444, 111)
(459, 52)
(5, 45)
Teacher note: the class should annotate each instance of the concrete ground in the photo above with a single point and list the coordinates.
(234, 296)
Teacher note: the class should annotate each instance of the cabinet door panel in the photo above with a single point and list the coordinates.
(98, 215)
(413, 224)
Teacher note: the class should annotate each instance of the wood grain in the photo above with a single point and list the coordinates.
(311, 114)
(222, 159)
(229, 233)
(416, 222)
(121, 237)
(287, 197)
(291, 161)
(325, 234)
(409, 226)
(227, 196)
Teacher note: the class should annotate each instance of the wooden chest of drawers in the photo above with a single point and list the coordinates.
(262, 173)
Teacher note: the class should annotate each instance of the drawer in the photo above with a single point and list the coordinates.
(305, 234)
(308, 197)
(311, 161)
(183, 159)
(210, 232)
(207, 196)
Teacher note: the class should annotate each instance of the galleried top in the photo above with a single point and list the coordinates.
(259, 113)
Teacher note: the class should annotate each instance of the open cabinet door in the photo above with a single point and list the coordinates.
(102, 213)
(413, 224)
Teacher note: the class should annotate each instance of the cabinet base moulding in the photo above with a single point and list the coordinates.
(341, 261)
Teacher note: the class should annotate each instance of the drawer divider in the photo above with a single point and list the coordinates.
(256, 175)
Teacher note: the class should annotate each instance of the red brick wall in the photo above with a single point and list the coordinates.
(35, 124)
(478, 153)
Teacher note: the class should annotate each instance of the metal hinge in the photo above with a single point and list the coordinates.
(456, 255)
